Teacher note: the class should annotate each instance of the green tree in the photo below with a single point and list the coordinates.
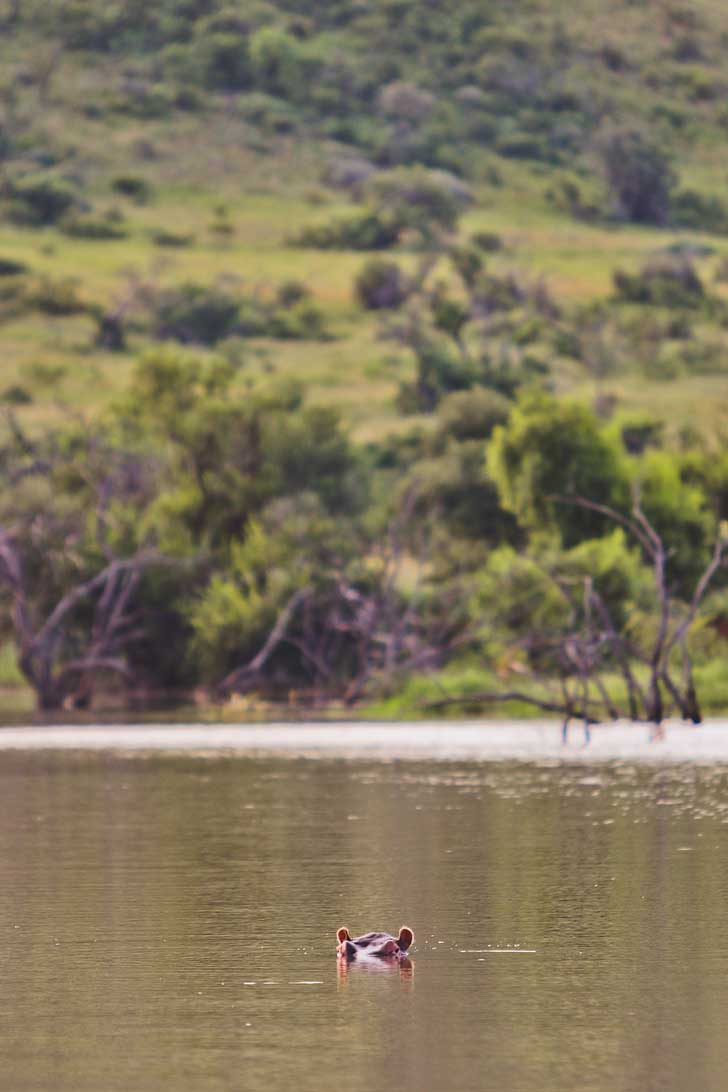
(426, 202)
(228, 454)
(549, 450)
(639, 175)
(276, 62)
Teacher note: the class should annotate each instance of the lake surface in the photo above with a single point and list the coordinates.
(168, 922)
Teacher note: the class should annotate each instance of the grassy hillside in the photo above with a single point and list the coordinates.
(511, 97)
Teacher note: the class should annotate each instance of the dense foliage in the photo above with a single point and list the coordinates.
(214, 521)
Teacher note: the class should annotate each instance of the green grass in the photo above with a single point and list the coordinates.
(10, 675)
(356, 371)
(271, 186)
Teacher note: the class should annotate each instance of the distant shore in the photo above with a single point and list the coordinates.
(421, 741)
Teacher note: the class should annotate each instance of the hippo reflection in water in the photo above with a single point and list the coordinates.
(374, 945)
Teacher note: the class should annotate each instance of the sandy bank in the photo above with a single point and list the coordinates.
(484, 741)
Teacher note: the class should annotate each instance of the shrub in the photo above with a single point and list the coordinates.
(640, 431)
(487, 241)
(381, 285)
(55, 296)
(304, 320)
(663, 282)
(210, 314)
(86, 226)
(225, 61)
(361, 231)
(518, 145)
(469, 263)
(291, 292)
(473, 414)
(418, 199)
(16, 396)
(276, 62)
(698, 212)
(268, 113)
(406, 101)
(638, 174)
(86, 26)
(9, 267)
(195, 313)
(41, 199)
(131, 185)
(146, 100)
(349, 173)
(171, 238)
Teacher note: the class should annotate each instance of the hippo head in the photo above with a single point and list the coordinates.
(381, 945)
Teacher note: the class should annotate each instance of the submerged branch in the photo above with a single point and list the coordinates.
(564, 708)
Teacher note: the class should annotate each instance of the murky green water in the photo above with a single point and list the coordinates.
(168, 923)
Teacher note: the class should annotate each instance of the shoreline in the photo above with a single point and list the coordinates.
(506, 740)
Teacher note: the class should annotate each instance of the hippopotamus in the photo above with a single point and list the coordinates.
(381, 945)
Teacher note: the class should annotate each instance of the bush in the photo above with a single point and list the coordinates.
(16, 396)
(55, 296)
(418, 199)
(698, 212)
(664, 282)
(209, 314)
(146, 100)
(131, 185)
(9, 267)
(41, 199)
(380, 285)
(268, 113)
(171, 238)
(291, 292)
(225, 61)
(638, 174)
(487, 241)
(87, 226)
(640, 431)
(195, 313)
(473, 414)
(361, 231)
(349, 173)
(305, 320)
(406, 102)
(276, 62)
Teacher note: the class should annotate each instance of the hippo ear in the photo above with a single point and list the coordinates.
(406, 936)
(342, 935)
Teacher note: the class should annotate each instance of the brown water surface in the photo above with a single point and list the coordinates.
(168, 923)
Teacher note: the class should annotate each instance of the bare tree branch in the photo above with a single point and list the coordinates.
(237, 679)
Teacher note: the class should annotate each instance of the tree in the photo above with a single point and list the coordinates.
(549, 449)
(86, 632)
(229, 454)
(71, 565)
(639, 175)
(308, 603)
(426, 202)
(573, 623)
(276, 62)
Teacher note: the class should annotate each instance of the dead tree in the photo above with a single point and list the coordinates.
(60, 667)
(591, 643)
(244, 678)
